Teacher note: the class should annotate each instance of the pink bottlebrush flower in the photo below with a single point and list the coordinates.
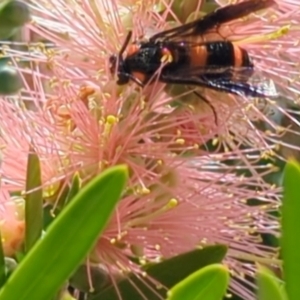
(270, 39)
(168, 195)
(80, 121)
(12, 225)
(22, 130)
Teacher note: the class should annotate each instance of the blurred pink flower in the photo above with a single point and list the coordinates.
(12, 225)
(80, 121)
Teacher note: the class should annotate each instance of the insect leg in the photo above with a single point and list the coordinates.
(209, 104)
(137, 81)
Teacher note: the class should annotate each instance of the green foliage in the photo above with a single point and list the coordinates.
(67, 241)
(34, 202)
(209, 283)
(74, 189)
(269, 286)
(51, 260)
(2, 264)
(168, 273)
(290, 241)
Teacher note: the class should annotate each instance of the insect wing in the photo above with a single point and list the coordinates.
(231, 12)
(222, 80)
(214, 19)
(265, 89)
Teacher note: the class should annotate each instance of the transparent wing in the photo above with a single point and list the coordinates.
(213, 20)
(222, 79)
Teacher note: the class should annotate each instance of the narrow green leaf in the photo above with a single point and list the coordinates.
(168, 273)
(49, 217)
(269, 287)
(74, 189)
(61, 199)
(2, 264)
(68, 240)
(33, 202)
(290, 241)
(67, 193)
(209, 283)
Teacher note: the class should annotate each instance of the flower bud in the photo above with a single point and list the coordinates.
(10, 81)
(14, 14)
(12, 225)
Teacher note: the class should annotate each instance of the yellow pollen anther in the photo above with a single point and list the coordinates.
(157, 247)
(264, 37)
(279, 33)
(215, 141)
(144, 274)
(180, 141)
(109, 122)
(277, 147)
(110, 119)
(172, 203)
(144, 191)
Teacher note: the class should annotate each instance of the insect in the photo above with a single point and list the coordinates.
(183, 55)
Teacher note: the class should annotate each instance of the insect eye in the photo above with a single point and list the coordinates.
(123, 77)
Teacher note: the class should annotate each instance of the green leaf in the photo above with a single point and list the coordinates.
(67, 193)
(74, 189)
(269, 287)
(33, 202)
(68, 240)
(290, 241)
(49, 217)
(168, 273)
(209, 283)
(173, 270)
(2, 264)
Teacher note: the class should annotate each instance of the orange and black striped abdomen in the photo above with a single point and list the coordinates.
(225, 54)
(214, 56)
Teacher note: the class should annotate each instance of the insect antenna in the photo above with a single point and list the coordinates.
(117, 63)
(209, 104)
(125, 44)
